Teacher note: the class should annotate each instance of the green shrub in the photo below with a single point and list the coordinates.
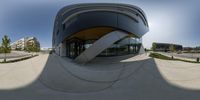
(159, 56)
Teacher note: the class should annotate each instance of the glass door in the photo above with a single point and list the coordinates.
(74, 48)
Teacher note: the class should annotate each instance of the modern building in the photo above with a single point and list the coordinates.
(165, 47)
(45, 48)
(18, 45)
(22, 43)
(192, 49)
(32, 41)
(84, 31)
(188, 48)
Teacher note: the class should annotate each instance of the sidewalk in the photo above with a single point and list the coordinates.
(16, 58)
(143, 78)
(182, 58)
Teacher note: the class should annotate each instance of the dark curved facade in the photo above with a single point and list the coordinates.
(90, 22)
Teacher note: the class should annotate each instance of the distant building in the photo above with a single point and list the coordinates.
(18, 45)
(45, 48)
(22, 43)
(192, 49)
(165, 47)
(187, 48)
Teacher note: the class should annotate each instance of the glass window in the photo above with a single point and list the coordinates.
(57, 32)
(128, 45)
(87, 45)
(63, 26)
(125, 46)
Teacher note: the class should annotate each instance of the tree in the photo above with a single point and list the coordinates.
(172, 49)
(5, 46)
(32, 48)
(154, 46)
(1, 51)
(18, 49)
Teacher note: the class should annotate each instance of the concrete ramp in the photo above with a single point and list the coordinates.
(100, 45)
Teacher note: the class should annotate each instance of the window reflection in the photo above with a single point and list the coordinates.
(125, 46)
(128, 45)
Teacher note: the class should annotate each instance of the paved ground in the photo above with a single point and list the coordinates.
(14, 54)
(186, 56)
(138, 77)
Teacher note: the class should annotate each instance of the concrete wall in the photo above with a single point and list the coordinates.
(61, 49)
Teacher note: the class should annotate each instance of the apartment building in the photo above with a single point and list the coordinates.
(22, 43)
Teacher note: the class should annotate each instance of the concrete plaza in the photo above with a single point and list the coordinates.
(49, 77)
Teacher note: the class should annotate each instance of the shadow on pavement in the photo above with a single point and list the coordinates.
(145, 82)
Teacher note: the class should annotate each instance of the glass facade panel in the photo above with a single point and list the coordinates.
(128, 45)
(74, 48)
(125, 46)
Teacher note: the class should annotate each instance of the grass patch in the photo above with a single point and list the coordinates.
(191, 52)
(17, 60)
(160, 56)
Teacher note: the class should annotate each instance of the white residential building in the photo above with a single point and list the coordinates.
(23, 42)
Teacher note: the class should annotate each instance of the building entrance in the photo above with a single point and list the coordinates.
(74, 48)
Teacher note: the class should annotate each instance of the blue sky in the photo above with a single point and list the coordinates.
(171, 21)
